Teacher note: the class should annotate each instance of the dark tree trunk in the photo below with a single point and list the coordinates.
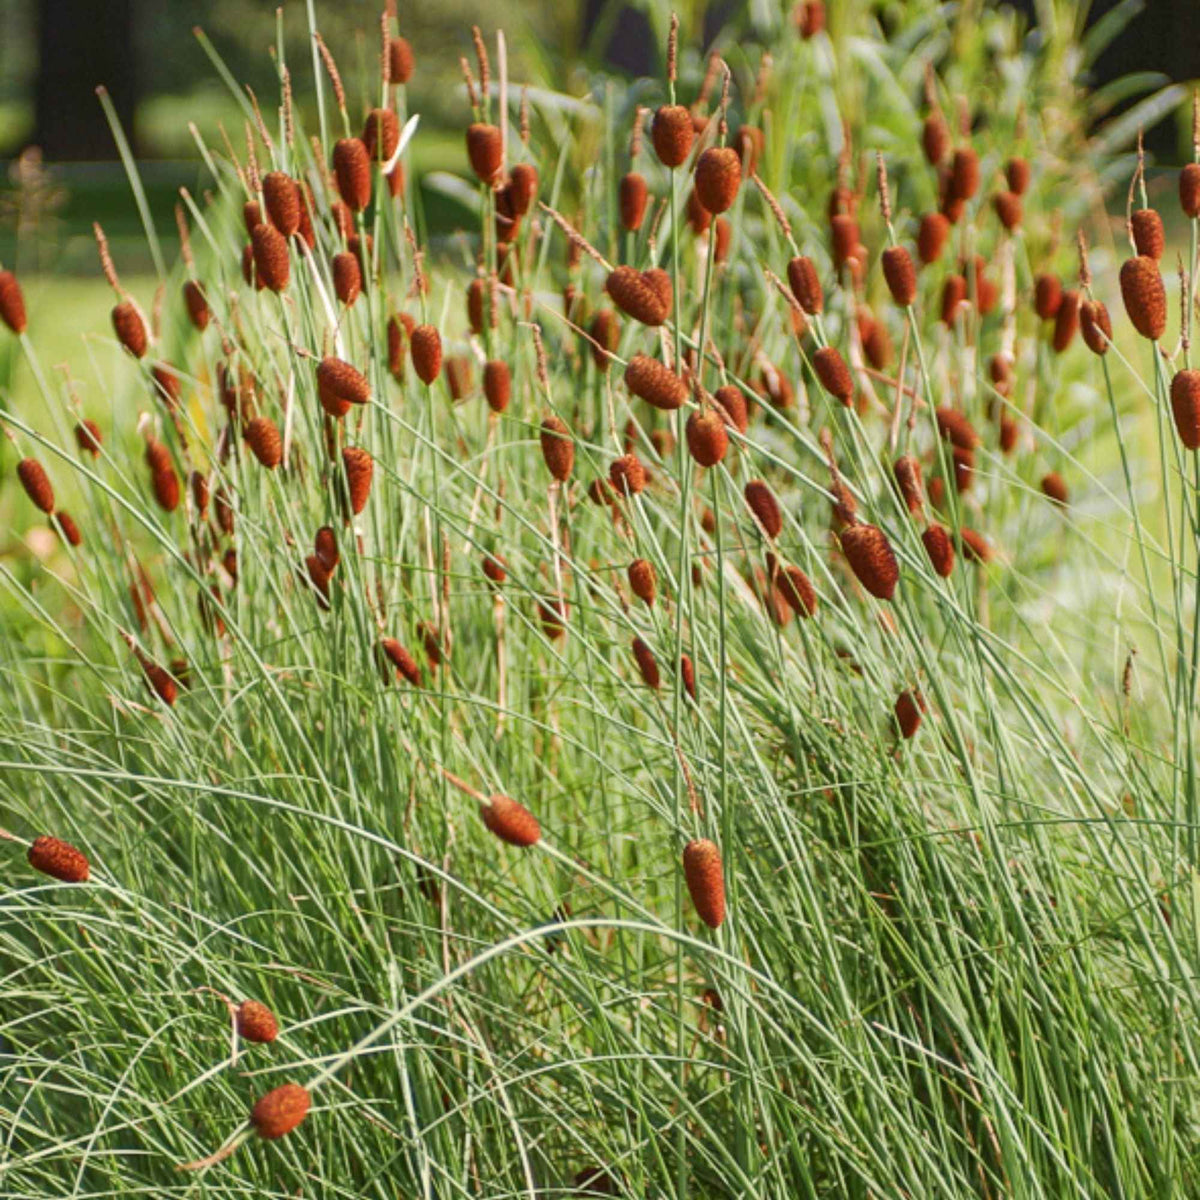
(81, 44)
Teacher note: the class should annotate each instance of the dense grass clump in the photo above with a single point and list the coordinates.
(686, 688)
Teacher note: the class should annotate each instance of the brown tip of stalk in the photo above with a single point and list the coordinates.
(558, 448)
(347, 278)
(672, 133)
(130, 328)
(1185, 407)
(381, 134)
(12, 303)
(650, 380)
(705, 881)
(1147, 229)
(280, 1111)
(646, 296)
(647, 664)
(908, 711)
(401, 61)
(627, 475)
(58, 859)
(870, 556)
(717, 178)
(359, 468)
(425, 344)
(931, 237)
(673, 49)
(834, 374)
(405, 664)
(263, 438)
(1008, 209)
(760, 500)
(1096, 326)
(907, 472)
(632, 196)
(1145, 296)
(806, 284)
(36, 483)
(643, 581)
(497, 384)
(335, 78)
(271, 260)
(511, 821)
(352, 172)
(707, 439)
(256, 1022)
(1189, 190)
(339, 385)
(939, 546)
(485, 151)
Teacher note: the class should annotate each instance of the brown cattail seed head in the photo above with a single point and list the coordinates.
(1047, 296)
(199, 492)
(426, 346)
(197, 305)
(402, 660)
(931, 237)
(954, 298)
(956, 428)
(1008, 434)
(642, 580)
(732, 406)
(1185, 407)
(280, 1111)
(497, 384)
(810, 18)
(484, 149)
(58, 859)
(964, 174)
(1008, 209)
(347, 277)
(650, 380)
(282, 197)
(707, 440)
(935, 138)
(1054, 487)
(166, 488)
(340, 385)
(381, 134)
(844, 237)
(627, 475)
(522, 187)
(910, 707)
(1147, 229)
(251, 215)
(705, 882)
(256, 1022)
(88, 437)
(644, 295)
(360, 467)
(495, 568)
(606, 333)
(699, 218)
(939, 546)
(130, 328)
(36, 483)
(558, 449)
(511, 821)
(975, 546)
(325, 545)
(762, 503)
(1095, 325)
(1016, 173)
(833, 373)
(262, 436)
(352, 170)
(647, 664)
(400, 60)
(870, 556)
(64, 524)
(718, 177)
(12, 303)
(1189, 190)
(794, 586)
(907, 471)
(632, 195)
(806, 284)
(271, 257)
(1144, 295)
(672, 133)
(900, 274)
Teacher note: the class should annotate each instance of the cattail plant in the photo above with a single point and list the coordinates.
(264, 440)
(352, 171)
(510, 821)
(939, 547)
(647, 664)
(707, 440)
(909, 709)
(833, 373)
(650, 380)
(36, 483)
(870, 556)
(672, 133)
(65, 525)
(497, 384)
(425, 347)
(806, 284)
(347, 278)
(280, 1111)
(702, 871)
(1095, 325)
(401, 60)
(645, 296)
(359, 468)
(339, 385)
(12, 303)
(1146, 228)
(405, 664)
(718, 176)
(256, 1022)
(760, 500)
(900, 274)
(1145, 296)
(58, 859)
(643, 580)
(932, 235)
(558, 448)
(1185, 406)
(627, 475)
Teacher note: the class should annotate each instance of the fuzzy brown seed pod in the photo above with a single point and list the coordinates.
(644, 295)
(282, 199)
(606, 333)
(340, 385)
(224, 511)
(58, 859)
(64, 524)
(1066, 320)
(935, 138)
(280, 1111)
(359, 468)
(844, 238)
(806, 284)
(643, 581)
(352, 171)
(1016, 174)
(794, 587)
(1144, 296)
(760, 500)
(833, 373)
(325, 546)
(723, 232)
(748, 143)
(627, 475)
(484, 150)
(705, 881)
(347, 278)
(36, 483)
(1047, 296)
(707, 440)
(964, 173)
(1148, 236)
(262, 436)
(810, 18)
(870, 556)
(1096, 326)
(698, 217)
(688, 672)
(647, 664)
(718, 177)
(558, 448)
(381, 134)
(318, 575)
(495, 567)
(497, 384)
(731, 404)
(900, 274)
(158, 457)
(1009, 209)
(249, 273)
(196, 304)
(1008, 434)
(511, 821)
(954, 299)
(632, 194)
(1000, 373)
(975, 546)
(1055, 488)
(88, 437)
(12, 303)
(672, 134)
(159, 681)
(552, 613)
(166, 488)
(459, 378)
(939, 546)
(523, 187)
(1189, 190)
(425, 345)
(876, 343)
(1185, 407)
(199, 493)
(650, 380)
(909, 709)
(907, 473)
(130, 328)
(956, 428)
(271, 262)
(167, 386)
(406, 666)
(931, 237)
(400, 60)
(251, 215)
(256, 1022)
